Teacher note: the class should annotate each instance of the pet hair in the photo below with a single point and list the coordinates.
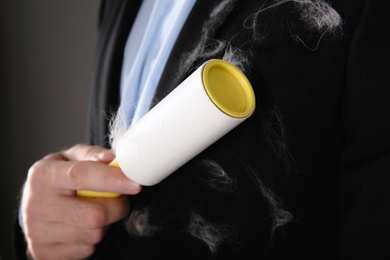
(280, 217)
(137, 224)
(213, 235)
(218, 179)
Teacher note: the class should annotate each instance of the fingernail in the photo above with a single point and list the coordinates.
(131, 185)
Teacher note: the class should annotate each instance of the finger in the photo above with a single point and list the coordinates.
(73, 175)
(78, 212)
(96, 177)
(60, 251)
(83, 152)
(53, 232)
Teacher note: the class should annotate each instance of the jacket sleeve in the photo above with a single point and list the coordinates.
(365, 160)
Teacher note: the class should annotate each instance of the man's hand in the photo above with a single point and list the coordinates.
(57, 223)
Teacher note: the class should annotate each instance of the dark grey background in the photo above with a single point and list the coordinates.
(46, 56)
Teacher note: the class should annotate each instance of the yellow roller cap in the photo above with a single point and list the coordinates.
(228, 88)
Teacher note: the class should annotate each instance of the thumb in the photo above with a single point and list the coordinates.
(83, 152)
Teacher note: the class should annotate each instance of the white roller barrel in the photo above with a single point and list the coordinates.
(208, 104)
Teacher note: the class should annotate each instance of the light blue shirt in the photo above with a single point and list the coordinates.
(148, 46)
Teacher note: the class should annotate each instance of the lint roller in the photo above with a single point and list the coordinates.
(213, 100)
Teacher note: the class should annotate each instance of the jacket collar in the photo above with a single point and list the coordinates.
(185, 43)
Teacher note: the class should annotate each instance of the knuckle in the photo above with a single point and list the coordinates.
(94, 217)
(28, 208)
(37, 252)
(95, 236)
(30, 211)
(34, 168)
(34, 234)
(90, 152)
(75, 173)
(36, 174)
(32, 225)
(86, 251)
(29, 232)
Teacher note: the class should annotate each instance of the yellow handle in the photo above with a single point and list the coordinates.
(98, 194)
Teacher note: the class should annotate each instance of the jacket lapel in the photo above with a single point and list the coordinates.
(187, 40)
(118, 17)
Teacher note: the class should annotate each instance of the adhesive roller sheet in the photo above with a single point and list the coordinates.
(213, 100)
(208, 104)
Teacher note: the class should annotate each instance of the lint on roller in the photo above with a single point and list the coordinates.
(213, 100)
